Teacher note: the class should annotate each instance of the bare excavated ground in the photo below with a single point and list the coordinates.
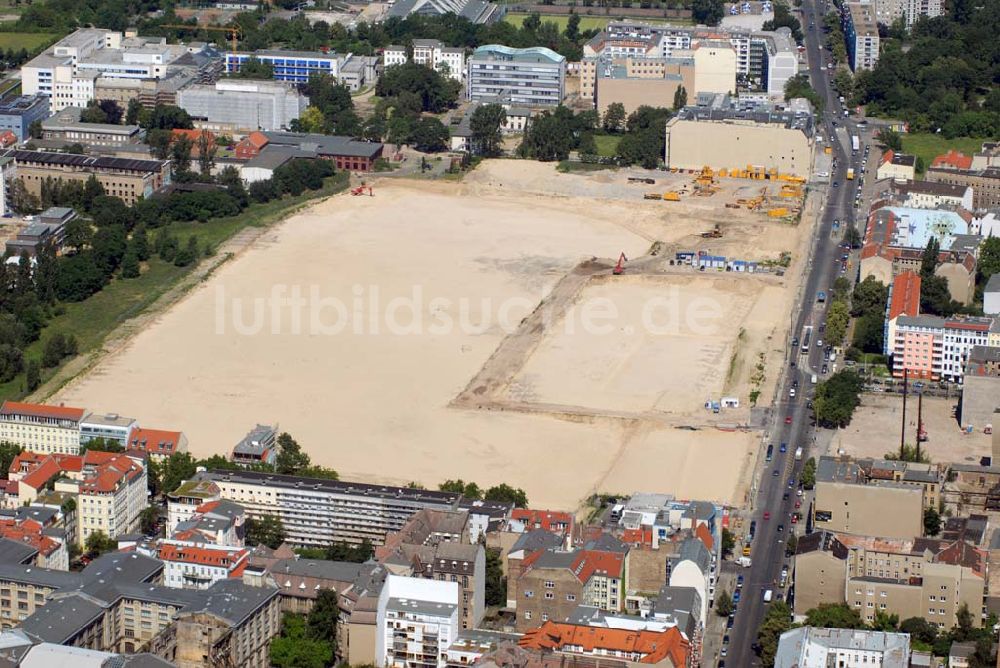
(409, 295)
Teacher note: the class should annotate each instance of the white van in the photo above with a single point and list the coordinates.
(768, 595)
(814, 379)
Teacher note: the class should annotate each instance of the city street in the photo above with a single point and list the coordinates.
(791, 419)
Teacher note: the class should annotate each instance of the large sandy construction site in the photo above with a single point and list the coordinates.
(399, 338)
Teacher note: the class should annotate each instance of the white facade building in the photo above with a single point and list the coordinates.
(8, 172)
(111, 499)
(316, 512)
(188, 565)
(810, 647)
(70, 70)
(40, 428)
(416, 623)
(430, 53)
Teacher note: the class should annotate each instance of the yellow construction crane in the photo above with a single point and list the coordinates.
(233, 31)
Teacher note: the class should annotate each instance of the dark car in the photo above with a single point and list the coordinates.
(825, 369)
(775, 473)
(783, 447)
(781, 527)
(784, 497)
(791, 483)
(836, 184)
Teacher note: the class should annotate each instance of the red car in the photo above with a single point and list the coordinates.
(798, 503)
(795, 519)
(788, 420)
(767, 515)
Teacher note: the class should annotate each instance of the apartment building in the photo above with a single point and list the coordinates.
(417, 621)
(111, 427)
(433, 545)
(157, 444)
(432, 53)
(910, 577)
(220, 523)
(188, 565)
(861, 34)
(904, 300)
(65, 126)
(552, 582)
(8, 173)
(110, 498)
(811, 647)
(127, 179)
(874, 497)
(888, 11)
(243, 105)
(232, 625)
(897, 166)
(725, 134)
(41, 428)
(299, 581)
(666, 648)
(118, 604)
(532, 77)
(317, 512)
(985, 183)
(932, 195)
(934, 348)
(26, 540)
(18, 114)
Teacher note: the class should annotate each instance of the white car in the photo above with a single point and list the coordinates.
(791, 393)
(823, 175)
(819, 343)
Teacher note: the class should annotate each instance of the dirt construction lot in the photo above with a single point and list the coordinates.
(356, 324)
(882, 414)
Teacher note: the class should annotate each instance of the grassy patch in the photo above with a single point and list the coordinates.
(607, 145)
(586, 22)
(25, 40)
(570, 166)
(927, 145)
(93, 319)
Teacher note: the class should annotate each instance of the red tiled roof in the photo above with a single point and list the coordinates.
(24, 461)
(905, 295)
(110, 474)
(641, 536)
(41, 410)
(543, 519)
(705, 535)
(44, 472)
(149, 440)
(199, 555)
(589, 563)
(647, 646)
(9, 487)
(886, 157)
(258, 139)
(953, 160)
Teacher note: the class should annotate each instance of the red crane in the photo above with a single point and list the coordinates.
(620, 267)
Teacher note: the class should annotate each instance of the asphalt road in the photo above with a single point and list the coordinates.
(768, 548)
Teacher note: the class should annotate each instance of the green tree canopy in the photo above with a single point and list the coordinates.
(834, 616)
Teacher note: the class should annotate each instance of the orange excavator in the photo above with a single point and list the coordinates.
(620, 267)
